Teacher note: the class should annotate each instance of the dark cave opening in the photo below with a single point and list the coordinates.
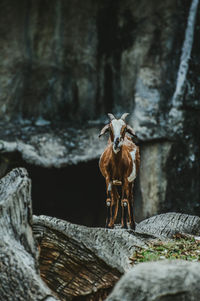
(75, 193)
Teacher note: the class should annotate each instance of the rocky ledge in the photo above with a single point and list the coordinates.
(49, 145)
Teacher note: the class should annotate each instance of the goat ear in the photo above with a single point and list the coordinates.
(104, 130)
(131, 131)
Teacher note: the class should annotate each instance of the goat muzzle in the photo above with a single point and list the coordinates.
(116, 145)
(116, 142)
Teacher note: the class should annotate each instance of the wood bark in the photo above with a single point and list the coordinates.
(168, 224)
(19, 271)
(80, 261)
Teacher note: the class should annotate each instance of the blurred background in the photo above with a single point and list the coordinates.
(64, 64)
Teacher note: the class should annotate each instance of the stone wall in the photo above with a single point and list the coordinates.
(74, 61)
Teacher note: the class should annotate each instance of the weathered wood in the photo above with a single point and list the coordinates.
(168, 224)
(80, 261)
(71, 269)
(19, 272)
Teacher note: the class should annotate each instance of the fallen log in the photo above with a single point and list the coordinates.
(169, 224)
(80, 261)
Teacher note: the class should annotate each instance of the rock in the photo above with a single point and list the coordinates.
(164, 281)
(65, 65)
(19, 277)
(89, 60)
(164, 119)
(50, 146)
(153, 177)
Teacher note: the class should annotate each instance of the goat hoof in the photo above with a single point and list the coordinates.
(109, 226)
(132, 226)
(124, 227)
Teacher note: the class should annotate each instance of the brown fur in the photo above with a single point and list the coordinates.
(119, 167)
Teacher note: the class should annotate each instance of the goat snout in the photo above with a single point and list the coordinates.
(116, 142)
(117, 145)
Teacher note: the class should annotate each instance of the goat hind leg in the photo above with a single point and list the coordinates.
(124, 205)
(130, 207)
(130, 213)
(111, 222)
(115, 204)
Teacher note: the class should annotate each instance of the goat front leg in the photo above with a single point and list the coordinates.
(116, 203)
(109, 204)
(124, 205)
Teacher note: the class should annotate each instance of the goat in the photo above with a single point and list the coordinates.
(119, 164)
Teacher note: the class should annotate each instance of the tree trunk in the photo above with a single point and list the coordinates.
(19, 270)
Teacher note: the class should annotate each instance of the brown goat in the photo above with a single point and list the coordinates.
(119, 164)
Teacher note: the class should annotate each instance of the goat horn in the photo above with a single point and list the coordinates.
(111, 116)
(123, 117)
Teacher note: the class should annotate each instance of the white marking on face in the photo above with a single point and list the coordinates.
(117, 125)
(133, 173)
